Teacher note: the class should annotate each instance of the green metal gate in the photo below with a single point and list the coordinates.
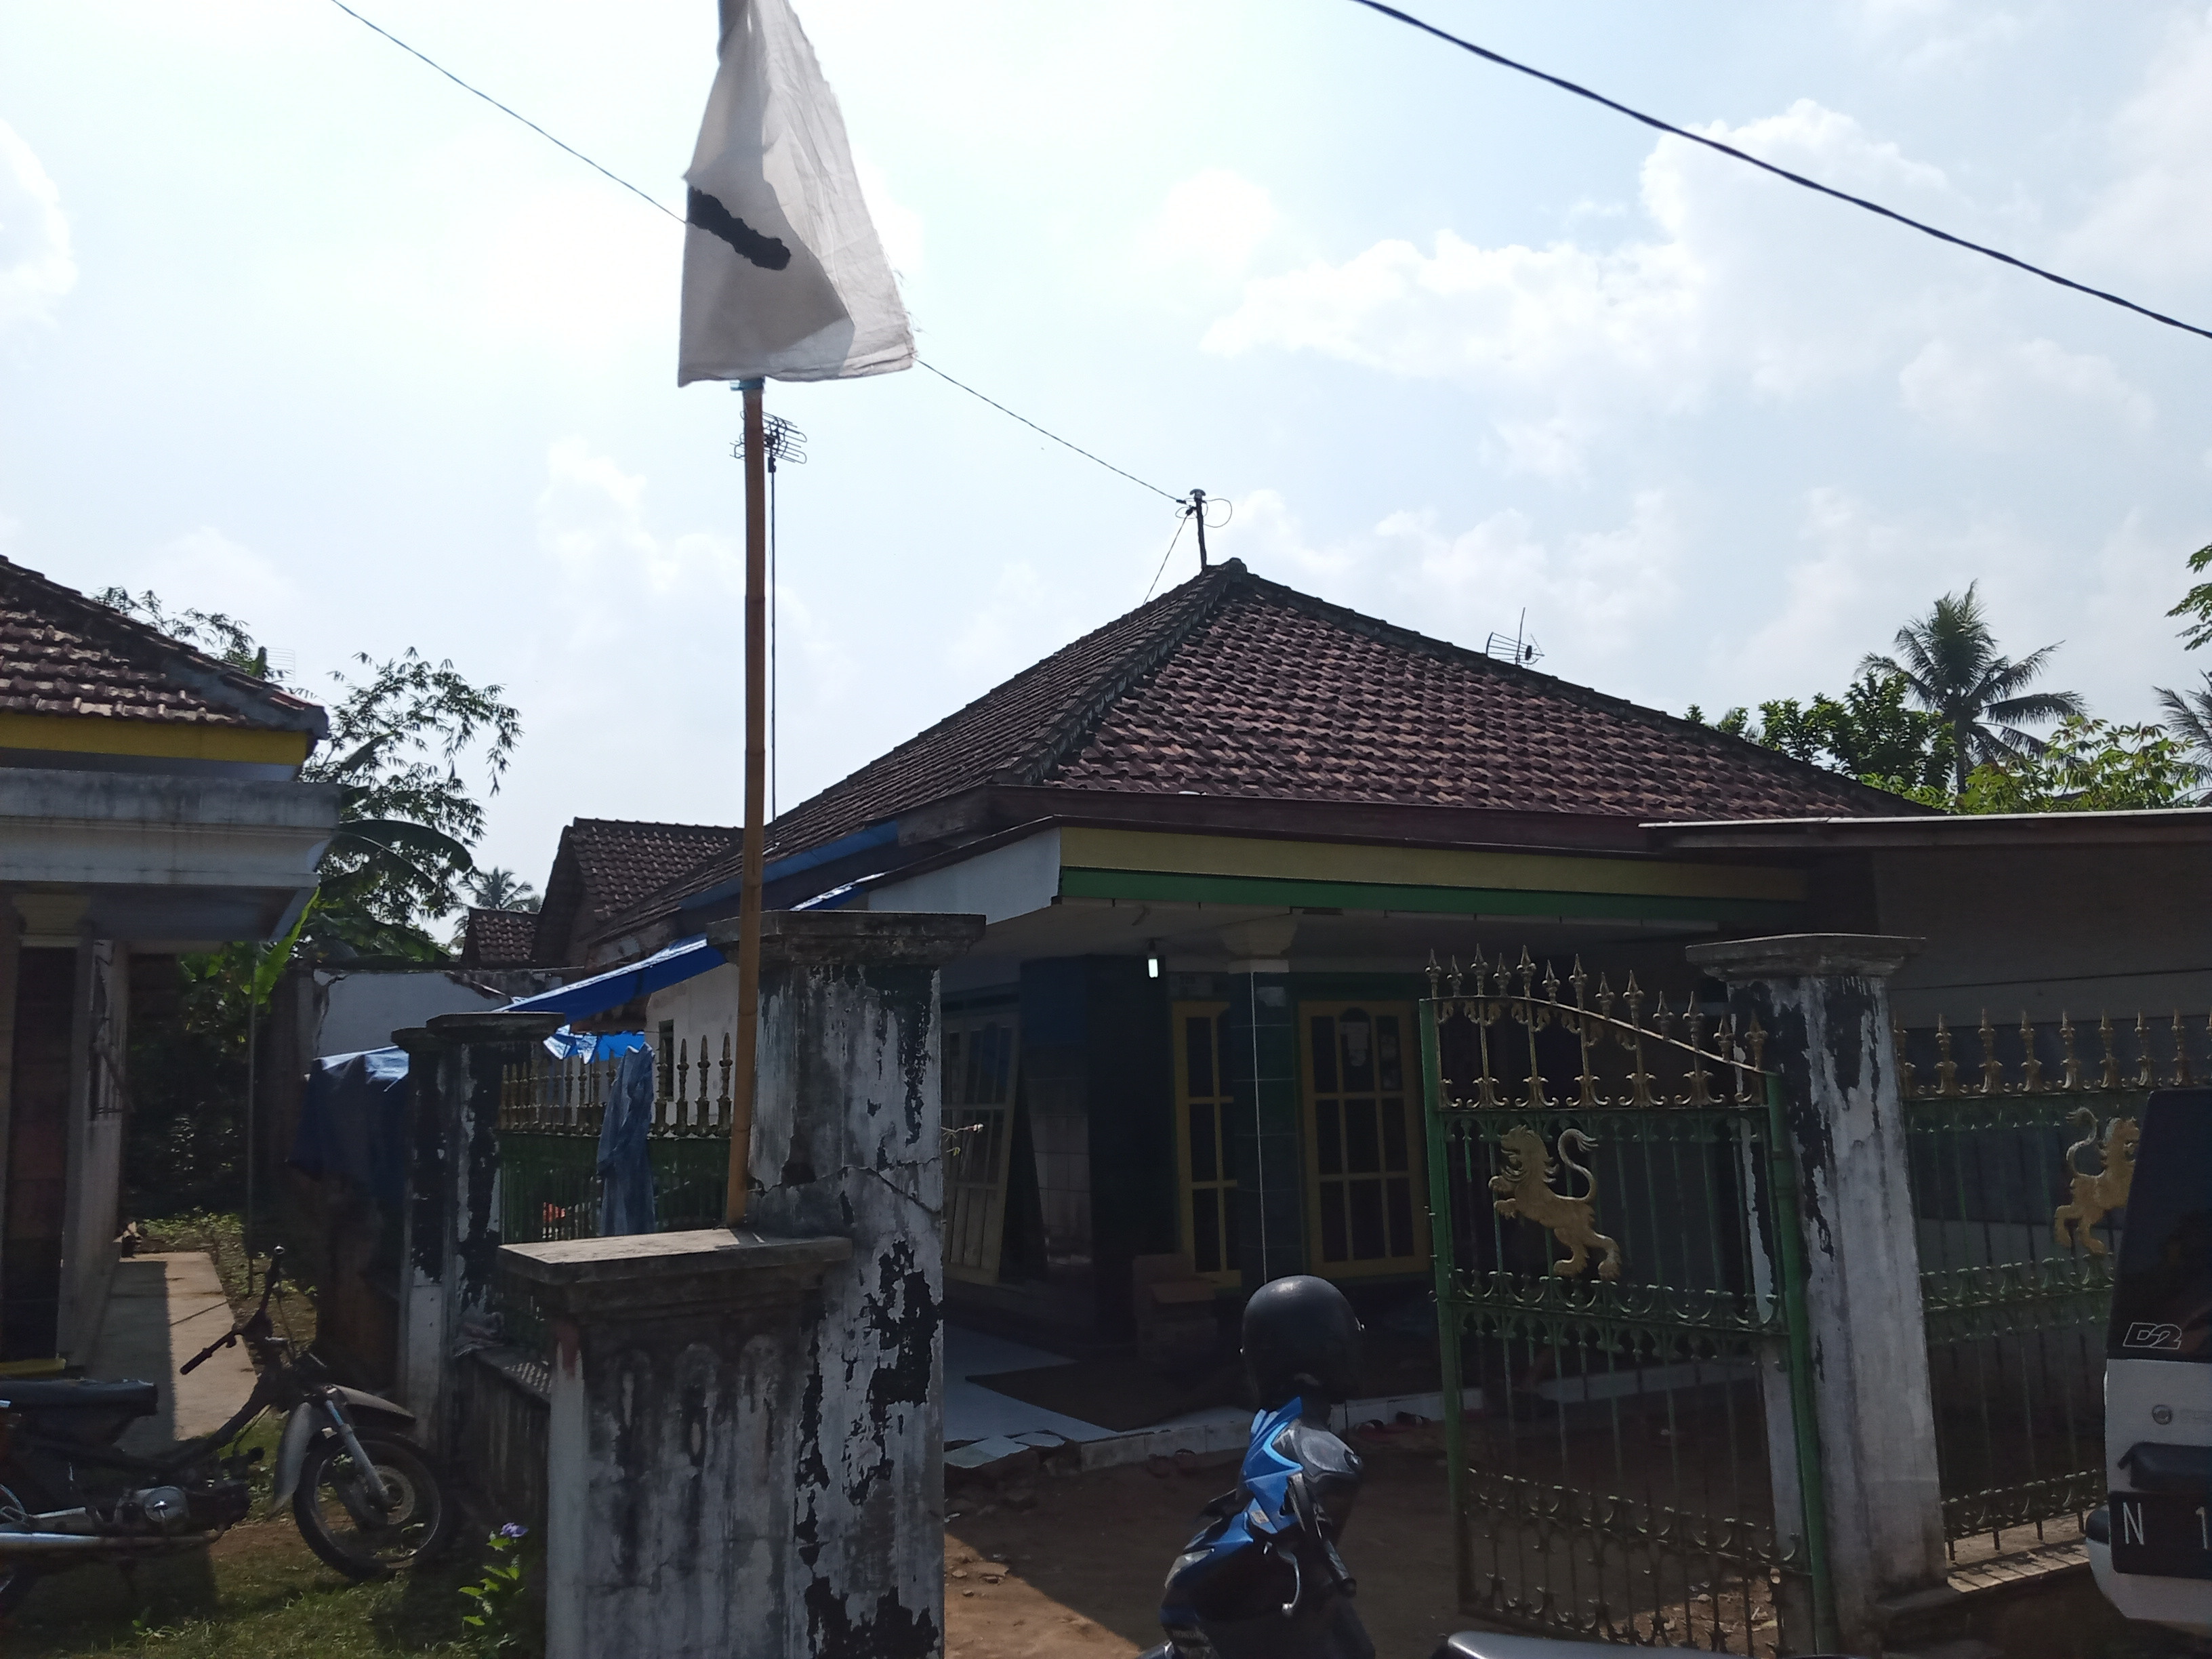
(1620, 1298)
(2022, 1144)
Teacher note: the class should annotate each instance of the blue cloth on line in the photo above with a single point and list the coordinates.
(625, 1168)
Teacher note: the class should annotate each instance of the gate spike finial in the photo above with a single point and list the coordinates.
(2144, 1079)
(2031, 1068)
(1435, 974)
(1578, 979)
(1993, 1081)
(2180, 1053)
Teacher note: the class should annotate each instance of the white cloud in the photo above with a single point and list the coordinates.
(1214, 221)
(36, 266)
(2155, 216)
(2008, 392)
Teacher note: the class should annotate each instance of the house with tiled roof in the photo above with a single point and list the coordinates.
(605, 866)
(151, 802)
(1215, 843)
(498, 939)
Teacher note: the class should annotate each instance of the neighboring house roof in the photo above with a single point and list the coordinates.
(1234, 686)
(64, 654)
(499, 938)
(606, 865)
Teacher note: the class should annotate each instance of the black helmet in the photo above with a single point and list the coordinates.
(1301, 1338)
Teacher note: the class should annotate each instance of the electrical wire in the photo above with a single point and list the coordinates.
(1169, 554)
(1654, 122)
(655, 201)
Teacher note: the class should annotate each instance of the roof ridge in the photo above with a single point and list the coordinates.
(1077, 726)
(655, 823)
(210, 676)
(1588, 696)
(1038, 668)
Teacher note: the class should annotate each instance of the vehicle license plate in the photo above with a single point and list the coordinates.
(2162, 1537)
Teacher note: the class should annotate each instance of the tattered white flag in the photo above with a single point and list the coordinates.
(783, 276)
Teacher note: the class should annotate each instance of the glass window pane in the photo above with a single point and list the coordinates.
(1198, 1049)
(1324, 1053)
(1394, 1135)
(1366, 1198)
(1390, 1066)
(1204, 1165)
(1329, 1152)
(1356, 1035)
(1361, 1155)
(1400, 1206)
(1331, 1223)
(1205, 1230)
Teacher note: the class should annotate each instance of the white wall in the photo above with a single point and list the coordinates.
(363, 1010)
(91, 1216)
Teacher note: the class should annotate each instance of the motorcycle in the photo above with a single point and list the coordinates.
(363, 1494)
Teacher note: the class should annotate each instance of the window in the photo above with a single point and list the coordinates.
(980, 1062)
(1363, 1139)
(1207, 1177)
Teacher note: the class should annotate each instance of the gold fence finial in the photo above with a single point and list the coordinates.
(2031, 1068)
(1946, 1069)
(2144, 1077)
(1435, 974)
(2070, 1079)
(2181, 1079)
(2112, 1073)
(1993, 1081)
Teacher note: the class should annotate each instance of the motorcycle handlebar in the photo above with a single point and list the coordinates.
(269, 1283)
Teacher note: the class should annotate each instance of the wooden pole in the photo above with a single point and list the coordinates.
(749, 903)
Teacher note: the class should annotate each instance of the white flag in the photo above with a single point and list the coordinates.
(783, 276)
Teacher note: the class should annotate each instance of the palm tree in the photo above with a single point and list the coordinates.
(2189, 716)
(499, 889)
(1948, 660)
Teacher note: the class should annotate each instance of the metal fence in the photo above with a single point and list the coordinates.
(2023, 1142)
(549, 1117)
(1618, 1275)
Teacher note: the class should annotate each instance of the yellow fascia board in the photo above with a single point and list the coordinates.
(100, 734)
(1417, 866)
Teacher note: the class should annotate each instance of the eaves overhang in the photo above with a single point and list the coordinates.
(2169, 826)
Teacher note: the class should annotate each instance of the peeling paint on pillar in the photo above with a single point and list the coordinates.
(848, 1117)
(1823, 1003)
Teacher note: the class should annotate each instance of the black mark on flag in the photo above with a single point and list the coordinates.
(710, 215)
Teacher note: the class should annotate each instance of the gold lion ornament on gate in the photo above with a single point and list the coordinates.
(1524, 1192)
(2106, 1190)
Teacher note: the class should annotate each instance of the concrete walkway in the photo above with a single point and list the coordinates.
(162, 1310)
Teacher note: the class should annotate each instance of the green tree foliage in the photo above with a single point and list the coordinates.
(2196, 603)
(2088, 766)
(1869, 733)
(400, 731)
(2189, 716)
(1950, 664)
(498, 889)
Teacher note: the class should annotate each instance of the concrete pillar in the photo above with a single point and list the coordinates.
(450, 1240)
(746, 1433)
(680, 1412)
(1823, 1001)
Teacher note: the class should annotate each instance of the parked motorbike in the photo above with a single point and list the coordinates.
(364, 1496)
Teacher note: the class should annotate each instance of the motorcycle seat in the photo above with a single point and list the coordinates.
(131, 1399)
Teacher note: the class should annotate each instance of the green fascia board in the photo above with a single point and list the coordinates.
(1162, 887)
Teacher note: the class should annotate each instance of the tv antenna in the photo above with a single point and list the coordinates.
(1520, 647)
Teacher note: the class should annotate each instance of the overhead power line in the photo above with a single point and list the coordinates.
(651, 200)
(1654, 122)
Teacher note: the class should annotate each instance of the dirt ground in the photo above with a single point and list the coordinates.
(1070, 1567)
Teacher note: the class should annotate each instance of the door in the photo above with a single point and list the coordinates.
(1364, 1164)
(981, 1061)
(1205, 1179)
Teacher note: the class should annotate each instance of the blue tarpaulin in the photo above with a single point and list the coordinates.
(603, 992)
(352, 1121)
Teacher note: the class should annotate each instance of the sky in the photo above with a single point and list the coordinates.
(294, 329)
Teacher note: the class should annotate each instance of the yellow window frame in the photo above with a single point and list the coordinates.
(1204, 1205)
(1364, 1183)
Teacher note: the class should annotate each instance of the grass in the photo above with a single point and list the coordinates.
(260, 1591)
(221, 1237)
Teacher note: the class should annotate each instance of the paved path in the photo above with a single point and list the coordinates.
(164, 1309)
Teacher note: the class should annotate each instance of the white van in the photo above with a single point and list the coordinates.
(2150, 1546)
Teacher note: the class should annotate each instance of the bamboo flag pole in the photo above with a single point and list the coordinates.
(755, 844)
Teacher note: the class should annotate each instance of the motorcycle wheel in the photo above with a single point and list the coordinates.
(336, 1517)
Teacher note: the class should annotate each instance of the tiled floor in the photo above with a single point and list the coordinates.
(972, 1412)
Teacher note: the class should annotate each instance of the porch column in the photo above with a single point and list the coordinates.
(1259, 1063)
(11, 936)
(451, 1232)
(1823, 1001)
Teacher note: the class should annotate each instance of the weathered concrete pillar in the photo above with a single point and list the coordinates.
(1823, 1001)
(746, 1437)
(451, 1236)
(847, 1138)
(679, 1415)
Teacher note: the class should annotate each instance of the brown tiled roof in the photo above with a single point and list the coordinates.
(1234, 685)
(64, 653)
(499, 938)
(604, 865)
